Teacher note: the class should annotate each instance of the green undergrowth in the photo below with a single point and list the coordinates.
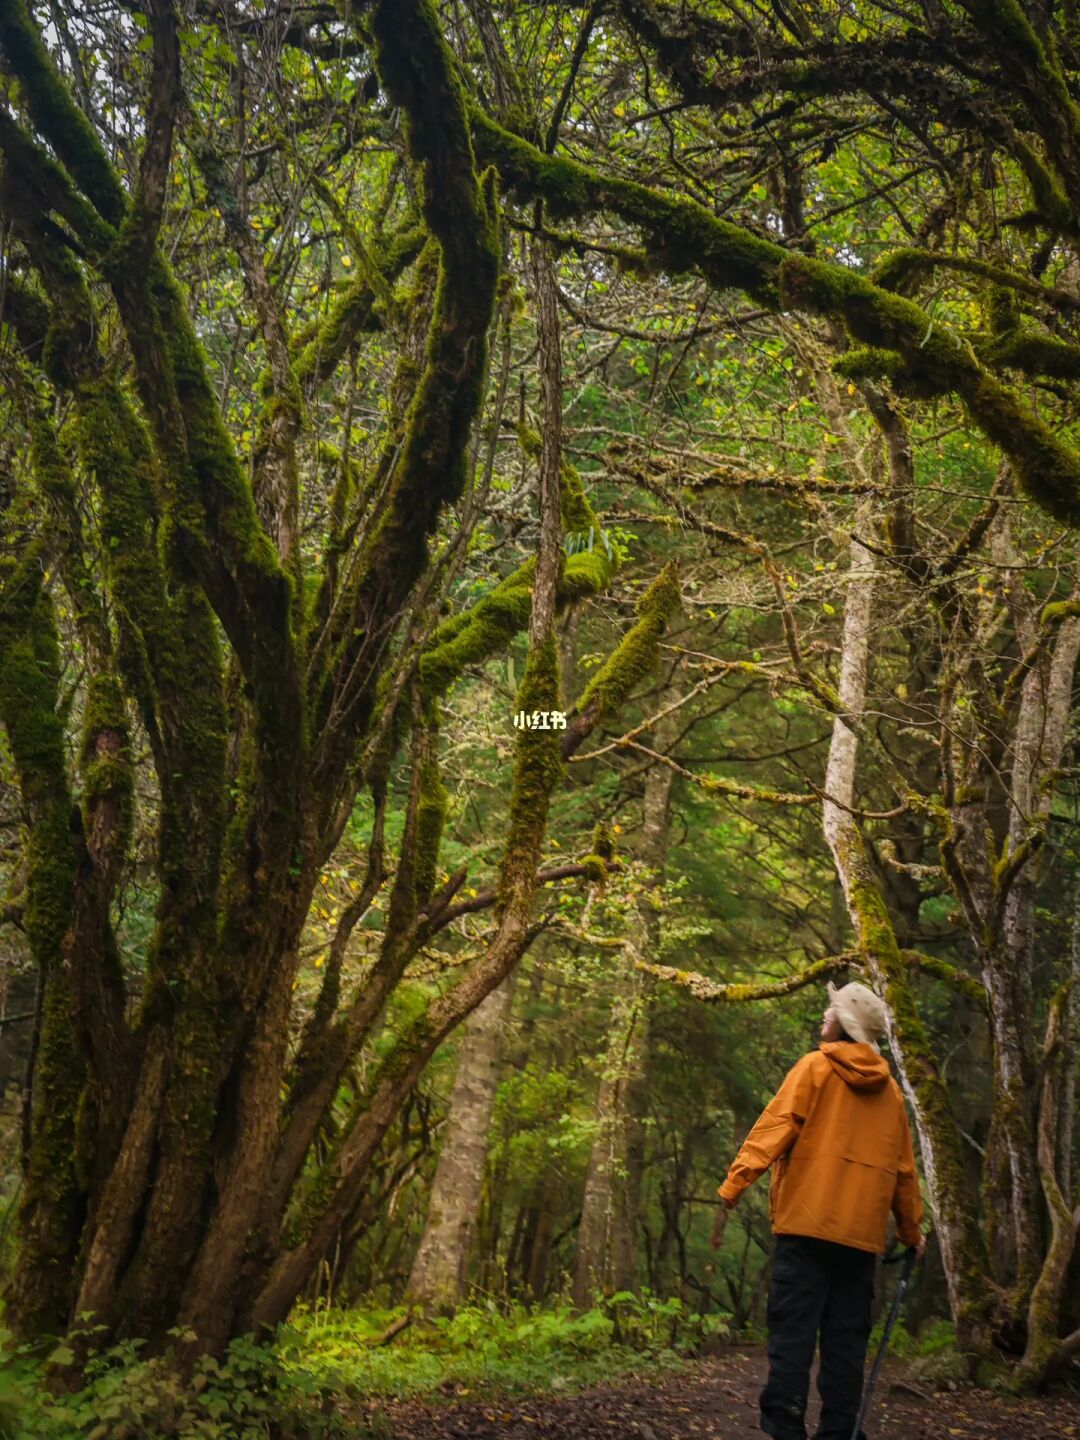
(931, 1357)
(937, 1337)
(492, 1349)
(254, 1392)
(307, 1383)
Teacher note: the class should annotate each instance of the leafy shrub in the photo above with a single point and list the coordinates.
(646, 1322)
(255, 1392)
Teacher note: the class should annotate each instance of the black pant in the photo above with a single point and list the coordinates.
(817, 1287)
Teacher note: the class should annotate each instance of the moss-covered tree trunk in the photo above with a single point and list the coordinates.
(51, 1211)
(1046, 1348)
(153, 1133)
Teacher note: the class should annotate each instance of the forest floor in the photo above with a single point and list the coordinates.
(715, 1398)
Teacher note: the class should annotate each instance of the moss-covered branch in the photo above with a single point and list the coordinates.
(956, 979)
(101, 830)
(215, 527)
(717, 992)
(1045, 1349)
(275, 481)
(487, 627)
(628, 663)
(936, 362)
(430, 465)
(56, 115)
(1038, 82)
(903, 265)
(320, 346)
(720, 784)
(682, 236)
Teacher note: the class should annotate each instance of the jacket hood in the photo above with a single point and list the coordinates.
(860, 1066)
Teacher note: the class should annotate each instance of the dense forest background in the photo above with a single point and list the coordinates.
(380, 379)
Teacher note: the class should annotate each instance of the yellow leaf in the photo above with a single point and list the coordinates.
(346, 261)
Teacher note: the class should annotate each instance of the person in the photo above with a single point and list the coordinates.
(837, 1138)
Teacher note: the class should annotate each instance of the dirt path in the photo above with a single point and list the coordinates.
(716, 1399)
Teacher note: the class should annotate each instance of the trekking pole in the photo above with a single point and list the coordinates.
(898, 1299)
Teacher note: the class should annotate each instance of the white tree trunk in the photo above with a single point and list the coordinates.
(938, 1139)
(437, 1279)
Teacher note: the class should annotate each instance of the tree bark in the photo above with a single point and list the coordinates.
(1044, 1349)
(1037, 744)
(437, 1278)
(606, 1248)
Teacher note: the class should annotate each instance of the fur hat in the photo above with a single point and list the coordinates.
(859, 1011)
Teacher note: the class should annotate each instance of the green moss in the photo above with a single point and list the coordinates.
(530, 441)
(900, 267)
(1059, 610)
(353, 311)
(1033, 353)
(487, 627)
(761, 793)
(904, 265)
(577, 515)
(50, 1212)
(378, 769)
(461, 214)
(537, 769)
(483, 630)
(106, 752)
(632, 659)
(951, 975)
(595, 868)
(55, 113)
(431, 809)
(868, 362)
(1047, 470)
(587, 572)
(681, 234)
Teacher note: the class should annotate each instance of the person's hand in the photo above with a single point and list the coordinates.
(920, 1248)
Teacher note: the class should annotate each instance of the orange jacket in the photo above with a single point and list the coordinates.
(836, 1134)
